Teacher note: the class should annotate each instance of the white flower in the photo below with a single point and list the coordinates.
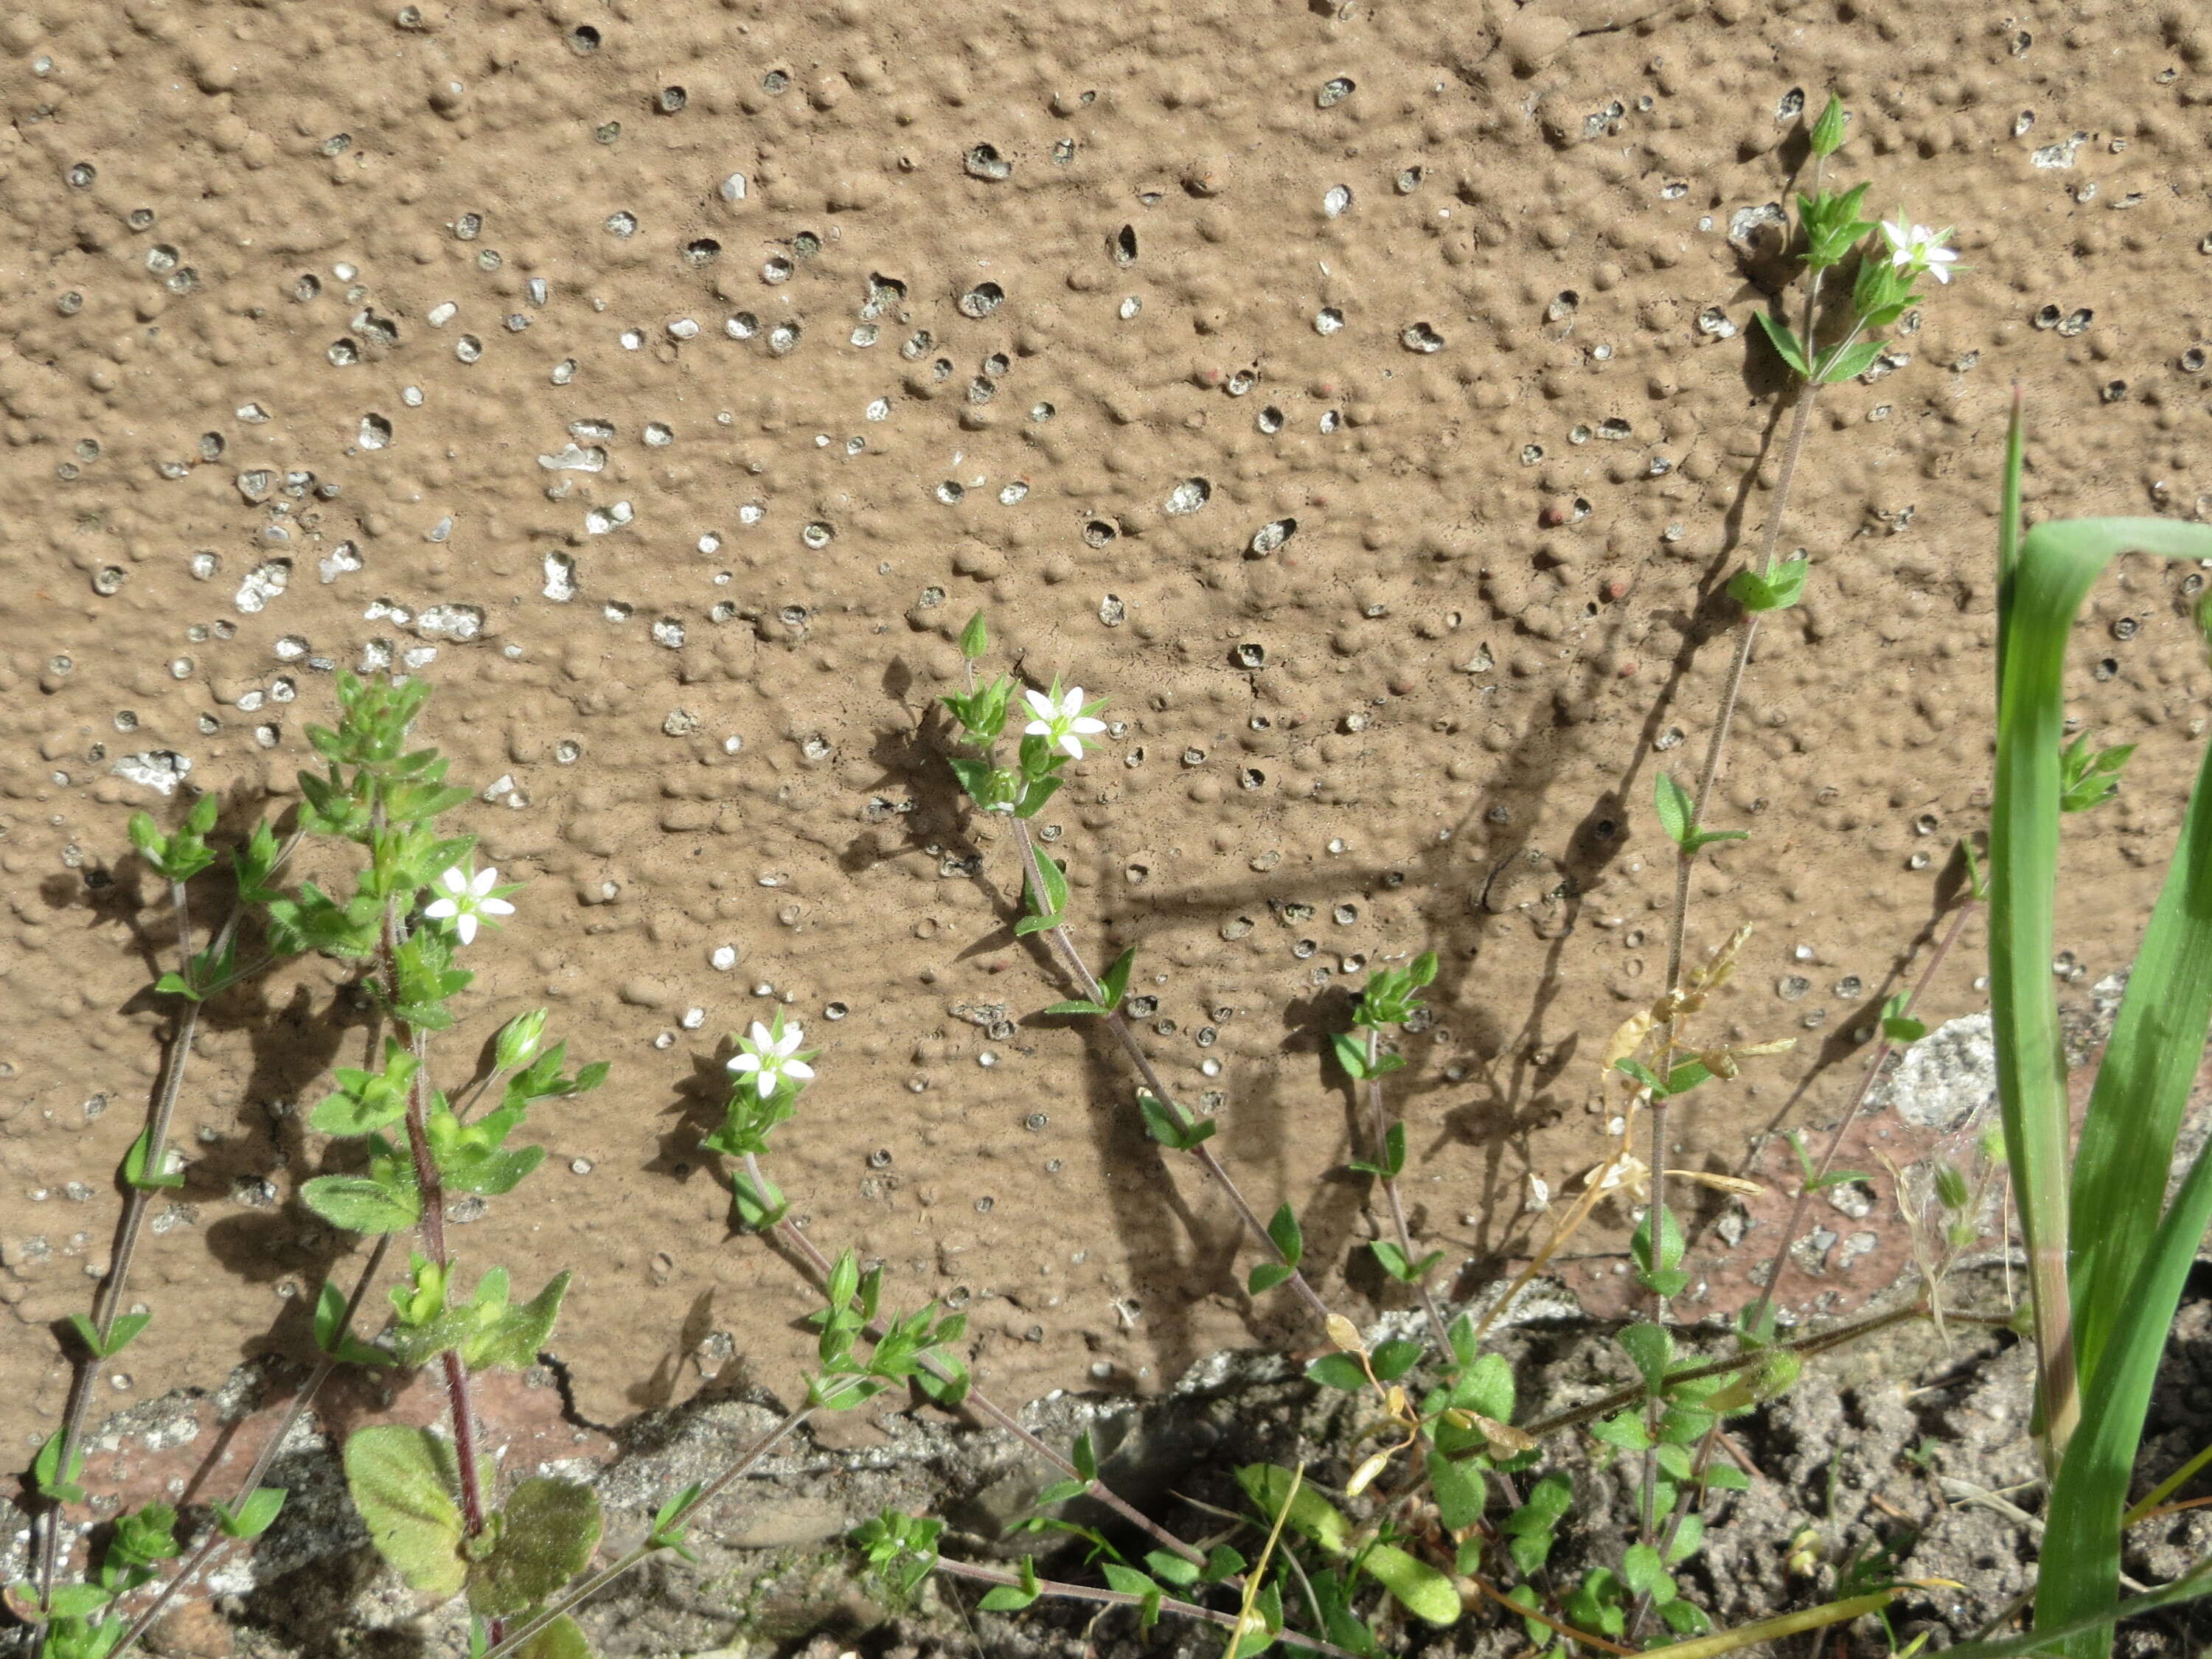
(771, 1057)
(1916, 248)
(467, 898)
(1061, 720)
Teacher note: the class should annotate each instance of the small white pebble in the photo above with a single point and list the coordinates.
(723, 958)
(694, 1019)
(579, 1166)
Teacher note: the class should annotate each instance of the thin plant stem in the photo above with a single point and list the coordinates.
(211, 1547)
(107, 1301)
(1072, 957)
(1380, 1129)
(1883, 1050)
(432, 1225)
(578, 1594)
(1757, 1316)
(989, 1409)
(1114, 1598)
(1685, 855)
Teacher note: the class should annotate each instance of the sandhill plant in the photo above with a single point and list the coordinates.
(1455, 1500)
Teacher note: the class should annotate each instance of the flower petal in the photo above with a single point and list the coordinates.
(495, 906)
(745, 1062)
(1073, 747)
(759, 1038)
(1072, 704)
(1086, 725)
(455, 880)
(1041, 703)
(798, 1068)
(465, 924)
(766, 1084)
(439, 909)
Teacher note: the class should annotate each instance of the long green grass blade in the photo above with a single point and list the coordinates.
(2057, 564)
(2079, 1574)
(2192, 1585)
(2008, 521)
(2130, 1277)
(2142, 1088)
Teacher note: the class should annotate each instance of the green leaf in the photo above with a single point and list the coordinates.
(1898, 1025)
(1115, 984)
(1459, 1491)
(175, 984)
(119, 1334)
(669, 1528)
(1048, 887)
(1395, 1262)
(1268, 1275)
(135, 1170)
(1689, 1533)
(47, 1475)
(1827, 133)
(1677, 810)
(1392, 1359)
(1024, 926)
(1419, 1587)
(1351, 1054)
(2088, 779)
(548, 1531)
(1486, 1387)
(1783, 339)
(561, 1639)
(1076, 1007)
(1652, 1350)
(1172, 1568)
(1338, 1371)
(1007, 1598)
(362, 1206)
(254, 1514)
(976, 638)
(1777, 587)
(1283, 1231)
(335, 1338)
(1726, 1477)
(1671, 1241)
(1171, 1127)
(510, 1338)
(1847, 362)
(403, 1481)
(1625, 1429)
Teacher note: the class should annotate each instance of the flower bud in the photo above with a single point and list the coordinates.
(518, 1040)
(1828, 132)
(1951, 1186)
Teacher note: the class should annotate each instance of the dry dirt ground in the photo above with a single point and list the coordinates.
(1362, 396)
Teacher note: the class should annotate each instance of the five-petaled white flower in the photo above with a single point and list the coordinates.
(1916, 248)
(1061, 720)
(771, 1057)
(466, 899)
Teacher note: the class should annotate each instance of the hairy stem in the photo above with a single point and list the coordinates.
(1756, 1318)
(577, 1594)
(432, 1226)
(107, 1301)
(1379, 1130)
(1114, 1598)
(1805, 1346)
(212, 1546)
(987, 1408)
(1072, 957)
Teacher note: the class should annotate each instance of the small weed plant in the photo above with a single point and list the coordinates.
(1453, 1508)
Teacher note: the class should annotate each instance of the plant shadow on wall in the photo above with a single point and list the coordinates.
(1463, 1503)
